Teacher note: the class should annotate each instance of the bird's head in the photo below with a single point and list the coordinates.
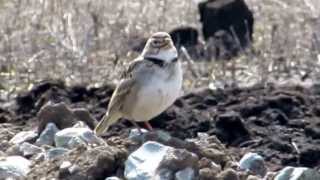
(160, 46)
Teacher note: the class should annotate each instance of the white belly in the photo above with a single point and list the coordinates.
(155, 98)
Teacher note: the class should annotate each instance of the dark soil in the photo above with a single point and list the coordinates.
(280, 123)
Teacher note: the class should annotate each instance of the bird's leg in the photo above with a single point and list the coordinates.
(136, 125)
(148, 126)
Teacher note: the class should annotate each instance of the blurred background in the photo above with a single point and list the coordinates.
(89, 42)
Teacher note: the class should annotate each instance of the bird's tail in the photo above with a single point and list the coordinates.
(106, 122)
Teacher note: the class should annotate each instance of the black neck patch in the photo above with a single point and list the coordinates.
(158, 62)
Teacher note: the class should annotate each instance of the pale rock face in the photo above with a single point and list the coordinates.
(16, 167)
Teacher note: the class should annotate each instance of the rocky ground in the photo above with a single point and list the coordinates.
(205, 133)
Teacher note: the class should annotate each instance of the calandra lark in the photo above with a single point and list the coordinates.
(151, 83)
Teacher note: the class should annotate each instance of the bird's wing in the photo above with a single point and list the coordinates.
(127, 83)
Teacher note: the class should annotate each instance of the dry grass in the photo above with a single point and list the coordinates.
(86, 42)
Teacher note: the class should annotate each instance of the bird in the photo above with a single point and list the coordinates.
(149, 85)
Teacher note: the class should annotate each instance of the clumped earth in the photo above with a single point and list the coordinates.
(280, 123)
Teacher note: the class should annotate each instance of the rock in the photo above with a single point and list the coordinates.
(254, 163)
(205, 163)
(178, 159)
(83, 115)
(143, 163)
(28, 149)
(164, 174)
(228, 174)
(297, 173)
(14, 150)
(112, 178)
(251, 177)
(153, 158)
(206, 174)
(59, 114)
(135, 135)
(81, 124)
(211, 148)
(63, 116)
(55, 152)
(15, 167)
(24, 136)
(47, 135)
(71, 137)
(87, 163)
(185, 174)
(67, 168)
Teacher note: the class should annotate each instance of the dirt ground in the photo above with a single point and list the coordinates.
(280, 123)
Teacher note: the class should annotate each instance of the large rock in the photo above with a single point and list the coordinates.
(47, 135)
(15, 167)
(28, 149)
(72, 137)
(83, 163)
(153, 159)
(63, 116)
(299, 173)
(24, 136)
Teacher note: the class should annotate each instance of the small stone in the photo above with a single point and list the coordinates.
(251, 177)
(15, 167)
(70, 137)
(55, 152)
(112, 178)
(28, 149)
(135, 135)
(65, 165)
(297, 173)
(254, 163)
(24, 136)
(80, 124)
(185, 174)
(216, 155)
(228, 174)
(206, 174)
(73, 169)
(212, 166)
(47, 135)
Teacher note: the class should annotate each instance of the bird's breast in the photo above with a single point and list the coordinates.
(156, 96)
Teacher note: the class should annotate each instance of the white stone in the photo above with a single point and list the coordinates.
(23, 136)
(185, 174)
(254, 163)
(297, 173)
(135, 134)
(70, 137)
(16, 167)
(55, 152)
(28, 149)
(47, 135)
(143, 163)
(112, 178)
(65, 165)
